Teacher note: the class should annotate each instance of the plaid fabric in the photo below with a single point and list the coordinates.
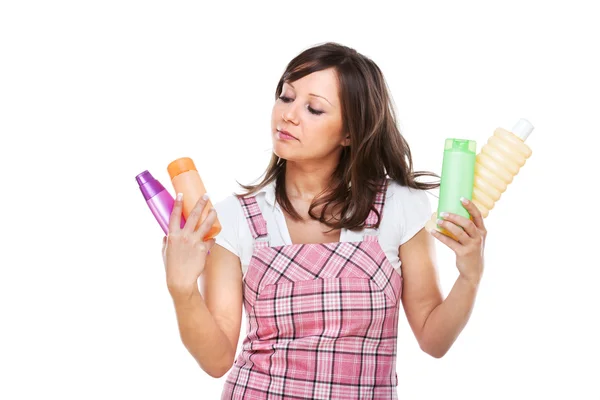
(322, 319)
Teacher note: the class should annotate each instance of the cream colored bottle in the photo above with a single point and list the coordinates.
(498, 162)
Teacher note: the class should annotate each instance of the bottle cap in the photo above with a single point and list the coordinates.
(149, 186)
(180, 166)
(522, 129)
(463, 145)
(144, 178)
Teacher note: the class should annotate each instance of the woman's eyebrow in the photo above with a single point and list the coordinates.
(311, 94)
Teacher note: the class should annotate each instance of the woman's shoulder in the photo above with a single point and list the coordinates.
(406, 195)
(408, 209)
(230, 214)
(229, 211)
(228, 204)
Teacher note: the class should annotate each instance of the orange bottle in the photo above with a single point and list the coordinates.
(186, 180)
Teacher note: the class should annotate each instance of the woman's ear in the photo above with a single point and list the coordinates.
(346, 141)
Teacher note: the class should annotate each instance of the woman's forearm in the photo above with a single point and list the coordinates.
(201, 335)
(448, 319)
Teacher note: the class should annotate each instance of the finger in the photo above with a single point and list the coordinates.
(175, 218)
(461, 221)
(207, 224)
(448, 241)
(454, 229)
(474, 211)
(195, 215)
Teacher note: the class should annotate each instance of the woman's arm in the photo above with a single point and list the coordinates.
(435, 322)
(209, 320)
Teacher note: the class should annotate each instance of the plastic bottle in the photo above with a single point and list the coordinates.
(498, 162)
(458, 172)
(158, 199)
(186, 180)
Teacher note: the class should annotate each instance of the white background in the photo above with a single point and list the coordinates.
(93, 93)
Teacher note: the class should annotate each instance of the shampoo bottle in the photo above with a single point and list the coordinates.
(186, 180)
(458, 172)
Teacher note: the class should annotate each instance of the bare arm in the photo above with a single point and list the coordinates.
(435, 322)
(209, 323)
(209, 320)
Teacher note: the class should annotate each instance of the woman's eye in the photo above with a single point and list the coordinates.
(313, 111)
(286, 99)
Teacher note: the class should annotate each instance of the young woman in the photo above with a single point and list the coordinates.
(323, 250)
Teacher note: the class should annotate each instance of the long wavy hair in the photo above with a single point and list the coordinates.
(377, 149)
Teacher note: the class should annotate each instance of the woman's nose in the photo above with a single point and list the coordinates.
(289, 114)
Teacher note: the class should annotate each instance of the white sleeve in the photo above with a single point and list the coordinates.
(416, 211)
(228, 213)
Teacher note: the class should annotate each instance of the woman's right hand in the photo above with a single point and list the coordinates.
(184, 249)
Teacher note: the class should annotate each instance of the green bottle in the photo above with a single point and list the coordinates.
(458, 174)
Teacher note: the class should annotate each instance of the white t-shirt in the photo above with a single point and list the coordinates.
(405, 212)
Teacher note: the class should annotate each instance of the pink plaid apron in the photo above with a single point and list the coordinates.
(322, 319)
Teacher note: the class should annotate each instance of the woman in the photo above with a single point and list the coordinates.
(323, 250)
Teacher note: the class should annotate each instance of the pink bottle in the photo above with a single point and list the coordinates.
(158, 199)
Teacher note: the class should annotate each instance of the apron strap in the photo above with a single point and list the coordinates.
(256, 221)
(258, 225)
(378, 206)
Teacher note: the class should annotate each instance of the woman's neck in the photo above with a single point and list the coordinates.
(305, 181)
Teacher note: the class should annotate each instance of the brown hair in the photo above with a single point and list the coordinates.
(377, 149)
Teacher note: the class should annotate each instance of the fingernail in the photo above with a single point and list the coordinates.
(179, 196)
(464, 200)
(440, 221)
(206, 196)
(443, 214)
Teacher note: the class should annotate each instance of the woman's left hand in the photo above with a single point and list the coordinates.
(471, 240)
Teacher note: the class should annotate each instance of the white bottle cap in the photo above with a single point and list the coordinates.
(522, 129)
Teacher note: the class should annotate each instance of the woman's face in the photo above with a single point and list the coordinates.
(306, 122)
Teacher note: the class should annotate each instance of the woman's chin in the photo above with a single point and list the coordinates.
(282, 152)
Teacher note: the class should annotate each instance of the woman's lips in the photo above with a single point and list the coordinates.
(285, 135)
